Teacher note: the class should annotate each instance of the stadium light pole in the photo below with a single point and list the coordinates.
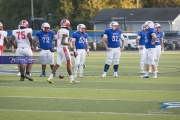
(131, 21)
(32, 10)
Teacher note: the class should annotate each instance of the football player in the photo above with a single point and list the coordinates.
(150, 49)
(159, 43)
(80, 46)
(23, 37)
(3, 39)
(63, 51)
(45, 38)
(113, 47)
(140, 43)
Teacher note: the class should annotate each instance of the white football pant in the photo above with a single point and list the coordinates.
(79, 60)
(157, 54)
(142, 59)
(47, 55)
(149, 56)
(114, 54)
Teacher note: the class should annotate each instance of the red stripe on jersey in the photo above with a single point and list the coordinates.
(66, 52)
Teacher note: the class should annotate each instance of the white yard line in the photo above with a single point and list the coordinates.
(91, 89)
(64, 98)
(84, 112)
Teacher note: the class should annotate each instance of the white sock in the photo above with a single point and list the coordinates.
(51, 76)
(80, 69)
(141, 65)
(71, 77)
(75, 69)
(147, 73)
(104, 73)
(115, 73)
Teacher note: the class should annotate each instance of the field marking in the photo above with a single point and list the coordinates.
(83, 112)
(93, 89)
(95, 99)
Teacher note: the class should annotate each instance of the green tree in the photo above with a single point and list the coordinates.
(160, 3)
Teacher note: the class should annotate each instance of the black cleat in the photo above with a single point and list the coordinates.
(22, 79)
(28, 77)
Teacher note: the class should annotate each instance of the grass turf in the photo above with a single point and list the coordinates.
(128, 97)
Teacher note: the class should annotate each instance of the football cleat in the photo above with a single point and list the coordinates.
(22, 79)
(81, 76)
(75, 76)
(74, 82)
(155, 76)
(18, 74)
(43, 75)
(142, 72)
(49, 81)
(28, 77)
(116, 76)
(144, 76)
(54, 75)
(103, 76)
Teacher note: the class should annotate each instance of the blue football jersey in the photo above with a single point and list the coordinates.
(81, 39)
(45, 39)
(159, 35)
(114, 38)
(149, 38)
(142, 34)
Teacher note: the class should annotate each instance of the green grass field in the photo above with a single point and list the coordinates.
(126, 98)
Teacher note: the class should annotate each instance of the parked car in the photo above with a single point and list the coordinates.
(92, 43)
(130, 40)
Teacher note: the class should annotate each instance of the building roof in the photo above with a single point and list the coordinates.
(140, 14)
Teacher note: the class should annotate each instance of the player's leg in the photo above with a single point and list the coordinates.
(51, 60)
(152, 62)
(142, 55)
(109, 57)
(28, 52)
(157, 55)
(58, 63)
(67, 58)
(76, 63)
(21, 66)
(82, 60)
(146, 61)
(43, 56)
(117, 55)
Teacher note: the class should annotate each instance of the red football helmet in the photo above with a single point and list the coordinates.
(65, 23)
(23, 23)
(1, 26)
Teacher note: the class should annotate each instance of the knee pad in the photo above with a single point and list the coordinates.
(116, 66)
(106, 66)
(108, 61)
(116, 61)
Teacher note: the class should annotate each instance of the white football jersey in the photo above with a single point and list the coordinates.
(60, 35)
(21, 37)
(2, 35)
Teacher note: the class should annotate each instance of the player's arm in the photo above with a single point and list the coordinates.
(153, 38)
(63, 42)
(74, 46)
(29, 35)
(104, 38)
(123, 42)
(12, 41)
(35, 42)
(5, 40)
(87, 46)
(162, 44)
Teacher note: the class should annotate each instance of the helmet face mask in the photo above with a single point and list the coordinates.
(157, 26)
(143, 27)
(65, 24)
(23, 24)
(114, 25)
(45, 27)
(1, 26)
(81, 28)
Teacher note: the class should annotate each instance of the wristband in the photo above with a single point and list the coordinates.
(87, 50)
(74, 50)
